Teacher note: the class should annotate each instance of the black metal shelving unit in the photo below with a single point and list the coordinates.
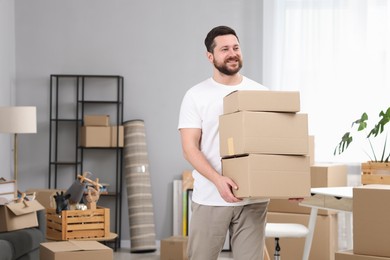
(71, 97)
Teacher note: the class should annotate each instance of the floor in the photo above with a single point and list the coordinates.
(124, 254)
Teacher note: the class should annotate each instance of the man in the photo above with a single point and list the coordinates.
(215, 209)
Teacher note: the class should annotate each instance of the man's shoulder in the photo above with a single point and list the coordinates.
(203, 84)
(200, 87)
(252, 83)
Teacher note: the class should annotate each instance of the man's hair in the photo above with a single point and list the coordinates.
(217, 31)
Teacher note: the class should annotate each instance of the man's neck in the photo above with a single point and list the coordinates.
(229, 80)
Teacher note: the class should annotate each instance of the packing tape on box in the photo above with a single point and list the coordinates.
(230, 144)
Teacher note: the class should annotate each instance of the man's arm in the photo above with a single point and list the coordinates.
(190, 139)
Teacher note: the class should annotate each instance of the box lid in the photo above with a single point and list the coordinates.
(25, 207)
(72, 246)
(262, 100)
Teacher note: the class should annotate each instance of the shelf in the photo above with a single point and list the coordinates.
(65, 163)
(72, 96)
(99, 102)
(100, 148)
(65, 120)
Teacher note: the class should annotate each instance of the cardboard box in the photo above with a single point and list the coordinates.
(45, 196)
(371, 216)
(95, 136)
(16, 216)
(311, 152)
(325, 238)
(269, 176)
(75, 250)
(322, 175)
(263, 132)
(8, 190)
(349, 255)
(261, 100)
(114, 132)
(78, 224)
(328, 175)
(96, 120)
(174, 248)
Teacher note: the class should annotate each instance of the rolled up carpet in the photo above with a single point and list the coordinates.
(139, 191)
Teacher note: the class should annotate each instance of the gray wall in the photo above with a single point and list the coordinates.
(156, 45)
(7, 78)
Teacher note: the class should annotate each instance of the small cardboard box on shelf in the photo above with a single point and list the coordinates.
(96, 120)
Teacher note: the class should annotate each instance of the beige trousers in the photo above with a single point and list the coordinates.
(209, 226)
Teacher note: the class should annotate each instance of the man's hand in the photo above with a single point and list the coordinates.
(225, 186)
(191, 149)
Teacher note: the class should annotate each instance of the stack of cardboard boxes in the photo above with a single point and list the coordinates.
(267, 151)
(371, 228)
(97, 132)
(264, 144)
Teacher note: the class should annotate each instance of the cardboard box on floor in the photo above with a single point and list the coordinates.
(322, 175)
(21, 215)
(75, 250)
(349, 255)
(325, 239)
(174, 248)
(263, 132)
(261, 100)
(269, 176)
(371, 220)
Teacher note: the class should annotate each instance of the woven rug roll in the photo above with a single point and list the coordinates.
(139, 191)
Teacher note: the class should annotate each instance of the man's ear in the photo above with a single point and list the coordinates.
(210, 56)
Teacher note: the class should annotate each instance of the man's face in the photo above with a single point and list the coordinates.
(227, 55)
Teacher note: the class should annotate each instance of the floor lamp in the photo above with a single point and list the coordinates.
(18, 120)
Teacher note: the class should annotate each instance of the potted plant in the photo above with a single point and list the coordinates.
(377, 169)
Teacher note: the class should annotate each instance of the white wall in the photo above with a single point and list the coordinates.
(156, 45)
(7, 79)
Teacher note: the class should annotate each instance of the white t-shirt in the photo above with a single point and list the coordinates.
(201, 107)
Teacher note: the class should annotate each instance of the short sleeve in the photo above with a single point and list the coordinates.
(189, 116)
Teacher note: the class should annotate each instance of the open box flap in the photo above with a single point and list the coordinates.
(24, 207)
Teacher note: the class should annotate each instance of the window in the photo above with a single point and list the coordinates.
(336, 53)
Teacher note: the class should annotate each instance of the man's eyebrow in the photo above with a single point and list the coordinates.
(227, 46)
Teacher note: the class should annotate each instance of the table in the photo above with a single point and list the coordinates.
(328, 198)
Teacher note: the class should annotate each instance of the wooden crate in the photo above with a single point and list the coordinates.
(78, 224)
(375, 173)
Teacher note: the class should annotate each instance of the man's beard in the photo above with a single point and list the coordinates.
(224, 69)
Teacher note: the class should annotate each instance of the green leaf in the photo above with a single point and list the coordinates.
(361, 122)
(344, 143)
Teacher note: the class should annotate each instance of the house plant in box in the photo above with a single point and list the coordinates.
(377, 169)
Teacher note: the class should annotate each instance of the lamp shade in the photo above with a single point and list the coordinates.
(18, 119)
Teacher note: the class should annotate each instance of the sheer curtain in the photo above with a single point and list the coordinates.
(336, 53)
